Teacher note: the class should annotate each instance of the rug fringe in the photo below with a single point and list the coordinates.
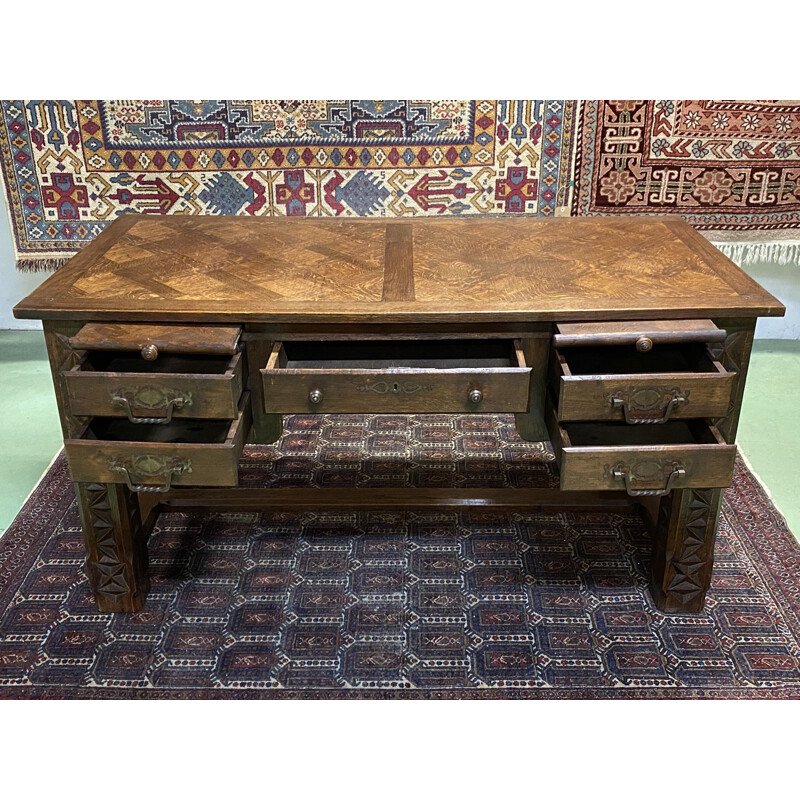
(745, 254)
(47, 264)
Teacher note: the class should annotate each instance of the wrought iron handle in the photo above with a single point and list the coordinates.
(622, 474)
(475, 396)
(674, 402)
(170, 405)
(315, 396)
(168, 474)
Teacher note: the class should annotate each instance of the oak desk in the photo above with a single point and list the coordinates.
(175, 340)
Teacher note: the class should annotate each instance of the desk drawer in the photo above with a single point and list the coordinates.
(152, 458)
(123, 384)
(617, 382)
(151, 340)
(643, 460)
(406, 377)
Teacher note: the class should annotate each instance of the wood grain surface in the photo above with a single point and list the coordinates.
(217, 269)
(579, 334)
(214, 339)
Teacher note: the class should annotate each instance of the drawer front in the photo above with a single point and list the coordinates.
(643, 334)
(640, 397)
(222, 340)
(184, 453)
(610, 462)
(394, 390)
(652, 470)
(156, 396)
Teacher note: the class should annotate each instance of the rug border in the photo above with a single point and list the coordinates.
(15, 543)
(583, 196)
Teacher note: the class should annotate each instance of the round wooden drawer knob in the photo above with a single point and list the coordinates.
(644, 344)
(475, 396)
(149, 352)
(315, 396)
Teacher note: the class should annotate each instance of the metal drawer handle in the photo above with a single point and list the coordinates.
(149, 352)
(168, 473)
(621, 473)
(476, 396)
(170, 405)
(620, 402)
(315, 396)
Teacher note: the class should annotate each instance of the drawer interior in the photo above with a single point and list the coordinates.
(179, 431)
(412, 354)
(613, 360)
(604, 434)
(132, 361)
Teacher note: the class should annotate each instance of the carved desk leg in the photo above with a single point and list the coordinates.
(115, 537)
(683, 550)
(116, 546)
(683, 542)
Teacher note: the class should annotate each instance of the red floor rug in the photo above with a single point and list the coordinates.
(408, 605)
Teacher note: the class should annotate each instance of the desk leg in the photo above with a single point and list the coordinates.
(116, 546)
(531, 425)
(683, 541)
(683, 549)
(267, 428)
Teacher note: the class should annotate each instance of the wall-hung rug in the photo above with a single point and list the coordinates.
(399, 605)
(72, 166)
(730, 168)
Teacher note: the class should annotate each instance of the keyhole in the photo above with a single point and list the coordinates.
(396, 388)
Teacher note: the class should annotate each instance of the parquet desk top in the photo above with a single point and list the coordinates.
(216, 269)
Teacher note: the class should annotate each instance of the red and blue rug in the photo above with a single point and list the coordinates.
(399, 605)
(72, 166)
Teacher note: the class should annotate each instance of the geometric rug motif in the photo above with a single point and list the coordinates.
(71, 167)
(720, 164)
(415, 604)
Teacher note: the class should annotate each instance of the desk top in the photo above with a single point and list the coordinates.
(217, 269)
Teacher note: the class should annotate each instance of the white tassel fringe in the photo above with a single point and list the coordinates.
(746, 254)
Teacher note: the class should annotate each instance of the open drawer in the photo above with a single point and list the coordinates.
(120, 383)
(420, 376)
(620, 383)
(641, 460)
(153, 458)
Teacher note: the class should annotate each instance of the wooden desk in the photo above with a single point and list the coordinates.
(173, 341)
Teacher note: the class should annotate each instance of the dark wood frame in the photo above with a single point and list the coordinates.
(117, 522)
(683, 523)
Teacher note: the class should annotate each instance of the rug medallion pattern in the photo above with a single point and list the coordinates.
(725, 165)
(71, 167)
(433, 604)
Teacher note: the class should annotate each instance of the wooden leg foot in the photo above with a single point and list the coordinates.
(683, 549)
(116, 546)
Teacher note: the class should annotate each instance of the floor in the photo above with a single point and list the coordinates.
(30, 435)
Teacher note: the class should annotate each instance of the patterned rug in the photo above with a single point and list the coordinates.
(723, 165)
(73, 166)
(480, 604)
